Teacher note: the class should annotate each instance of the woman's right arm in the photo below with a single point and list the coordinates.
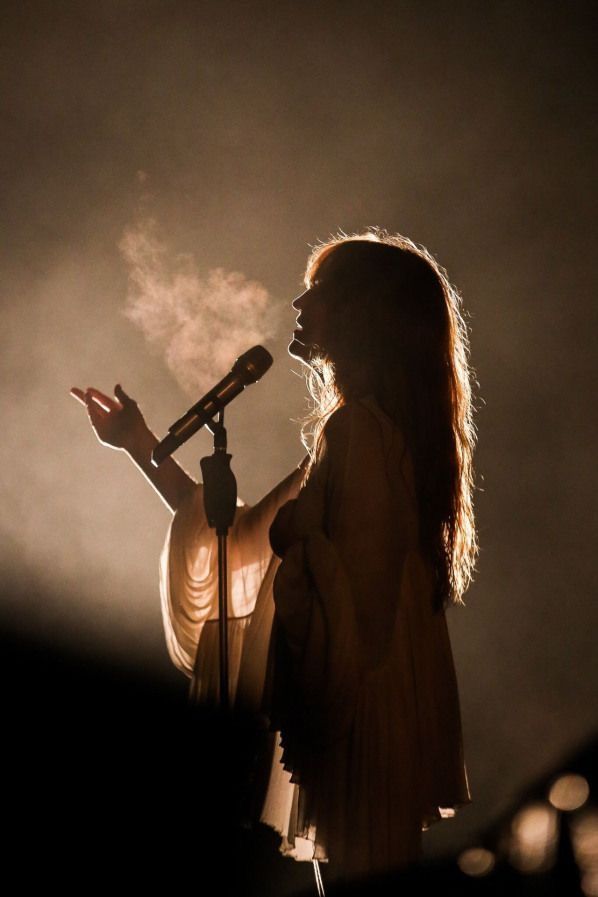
(119, 424)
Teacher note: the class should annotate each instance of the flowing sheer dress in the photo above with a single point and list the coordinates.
(336, 648)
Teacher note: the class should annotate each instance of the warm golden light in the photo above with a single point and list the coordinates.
(584, 838)
(569, 792)
(589, 884)
(533, 838)
(476, 861)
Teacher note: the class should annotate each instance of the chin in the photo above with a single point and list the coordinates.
(298, 350)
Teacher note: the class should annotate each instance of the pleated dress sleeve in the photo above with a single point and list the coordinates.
(189, 575)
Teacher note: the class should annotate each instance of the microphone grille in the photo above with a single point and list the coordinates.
(253, 364)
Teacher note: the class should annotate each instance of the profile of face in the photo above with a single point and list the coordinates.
(310, 336)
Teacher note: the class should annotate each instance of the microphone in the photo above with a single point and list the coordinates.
(248, 368)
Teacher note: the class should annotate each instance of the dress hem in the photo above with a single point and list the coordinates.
(288, 848)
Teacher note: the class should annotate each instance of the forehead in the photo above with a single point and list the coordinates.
(322, 266)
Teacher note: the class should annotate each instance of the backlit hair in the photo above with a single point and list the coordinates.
(399, 334)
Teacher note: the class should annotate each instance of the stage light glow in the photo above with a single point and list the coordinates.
(476, 861)
(589, 884)
(533, 838)
(569, 792)
(584, 838)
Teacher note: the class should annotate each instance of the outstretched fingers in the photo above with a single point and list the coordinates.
(122, 396)
(102, 400)
(78, 394)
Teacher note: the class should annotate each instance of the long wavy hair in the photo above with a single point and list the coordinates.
(399, 334)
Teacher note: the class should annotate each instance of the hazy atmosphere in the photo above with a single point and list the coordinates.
(167, 167)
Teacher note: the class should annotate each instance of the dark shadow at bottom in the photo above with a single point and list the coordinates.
(113, 780)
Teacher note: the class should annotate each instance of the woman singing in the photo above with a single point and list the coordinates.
(340, 577)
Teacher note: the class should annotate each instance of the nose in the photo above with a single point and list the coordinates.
(295, 303)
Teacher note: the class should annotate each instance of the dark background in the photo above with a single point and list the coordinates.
(260, 128)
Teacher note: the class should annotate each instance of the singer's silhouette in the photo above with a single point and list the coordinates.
(341, 576)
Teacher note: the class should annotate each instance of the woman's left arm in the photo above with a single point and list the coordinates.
(371, 518)
(337, 589)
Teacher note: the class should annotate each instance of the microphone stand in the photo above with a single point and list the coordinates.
(220, 501)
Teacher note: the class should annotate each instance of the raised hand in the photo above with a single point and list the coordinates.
(118, 423)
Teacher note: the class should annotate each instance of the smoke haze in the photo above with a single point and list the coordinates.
(199, 324)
